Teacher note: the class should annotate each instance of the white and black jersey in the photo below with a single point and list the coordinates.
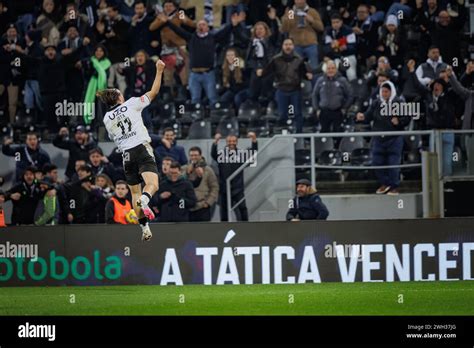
(124, 123)
(125, 126)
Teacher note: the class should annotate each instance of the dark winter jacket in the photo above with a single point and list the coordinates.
(309, 207)
(176, 207)
(26, 157)
(76, 151)
(289, 71)
(24, 209)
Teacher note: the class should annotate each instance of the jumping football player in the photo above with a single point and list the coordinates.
(125, 127)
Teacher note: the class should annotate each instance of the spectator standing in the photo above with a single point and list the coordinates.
(392, 42)
(174, 52)
(303, 23)
(289, 70)
(114, 32)
(307, 205)
(439, 113)
(29, 155)
(331, 98)
(80, 197)
(202, 48)
(234, 82)
(11, 44)
(78, 147)
(32, 97)
(206, 186)
(366, 31)
(141, 38)
(176, 196)
(24, 196)
(386, 150)
(47, 22)
(430, 70)
(340, 46)
(227, 168)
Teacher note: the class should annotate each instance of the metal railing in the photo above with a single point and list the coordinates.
(434, 146)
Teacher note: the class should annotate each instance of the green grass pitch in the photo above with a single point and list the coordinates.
(419, 298)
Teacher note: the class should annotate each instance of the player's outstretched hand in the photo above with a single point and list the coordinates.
(160, 65)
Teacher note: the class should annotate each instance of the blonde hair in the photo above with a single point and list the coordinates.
(265, 25)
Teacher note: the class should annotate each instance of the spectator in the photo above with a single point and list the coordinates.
(175, 151)
(98, 69)
(206, 186)
(28, 155)
(468, 120)
(10, 75)
(32, 97)
(165, 168)
(233, 79)
(227, 168)
(176, 196)
(366, 31)
(100, 164)
(446, 35)
(80, 197)
(47, 22)
(141, 38)
(383, 66)
(77, 164)
(78, 147)
(140, 76)
(114, 31)
(52, 89)
(307, 205)
(331, 98)
(50, 172)
(340, 46)
(73, 72)
(386, 150)
(5, 17)
(104, 182)
(439, 113)
(101, 192)
(47, 210)
(289, 70)
(174, 52)
(391, 42)
(467, 78)
(425, 20)
(2, 210)
(119, 210)
(24, 196)
(73, 17)
(429, 71)
(264, 45)
(202, 49)
(303, 24)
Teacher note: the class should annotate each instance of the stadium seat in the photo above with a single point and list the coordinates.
(302, 157)
(360, 89)
(248, 111)
(412, 142)
(200, 130)
(228, 126)
(349, 144)
(361, 157)
(323, 144)
(330, 158)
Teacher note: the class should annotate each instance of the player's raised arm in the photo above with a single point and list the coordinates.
(160, 67)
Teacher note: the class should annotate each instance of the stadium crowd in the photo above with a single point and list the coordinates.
(323, 65)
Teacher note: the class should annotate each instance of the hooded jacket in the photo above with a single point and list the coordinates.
(309, 207)
(176, 207)
(383, 123)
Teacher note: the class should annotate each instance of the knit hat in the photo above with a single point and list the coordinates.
(303, 182)
(392, 20)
